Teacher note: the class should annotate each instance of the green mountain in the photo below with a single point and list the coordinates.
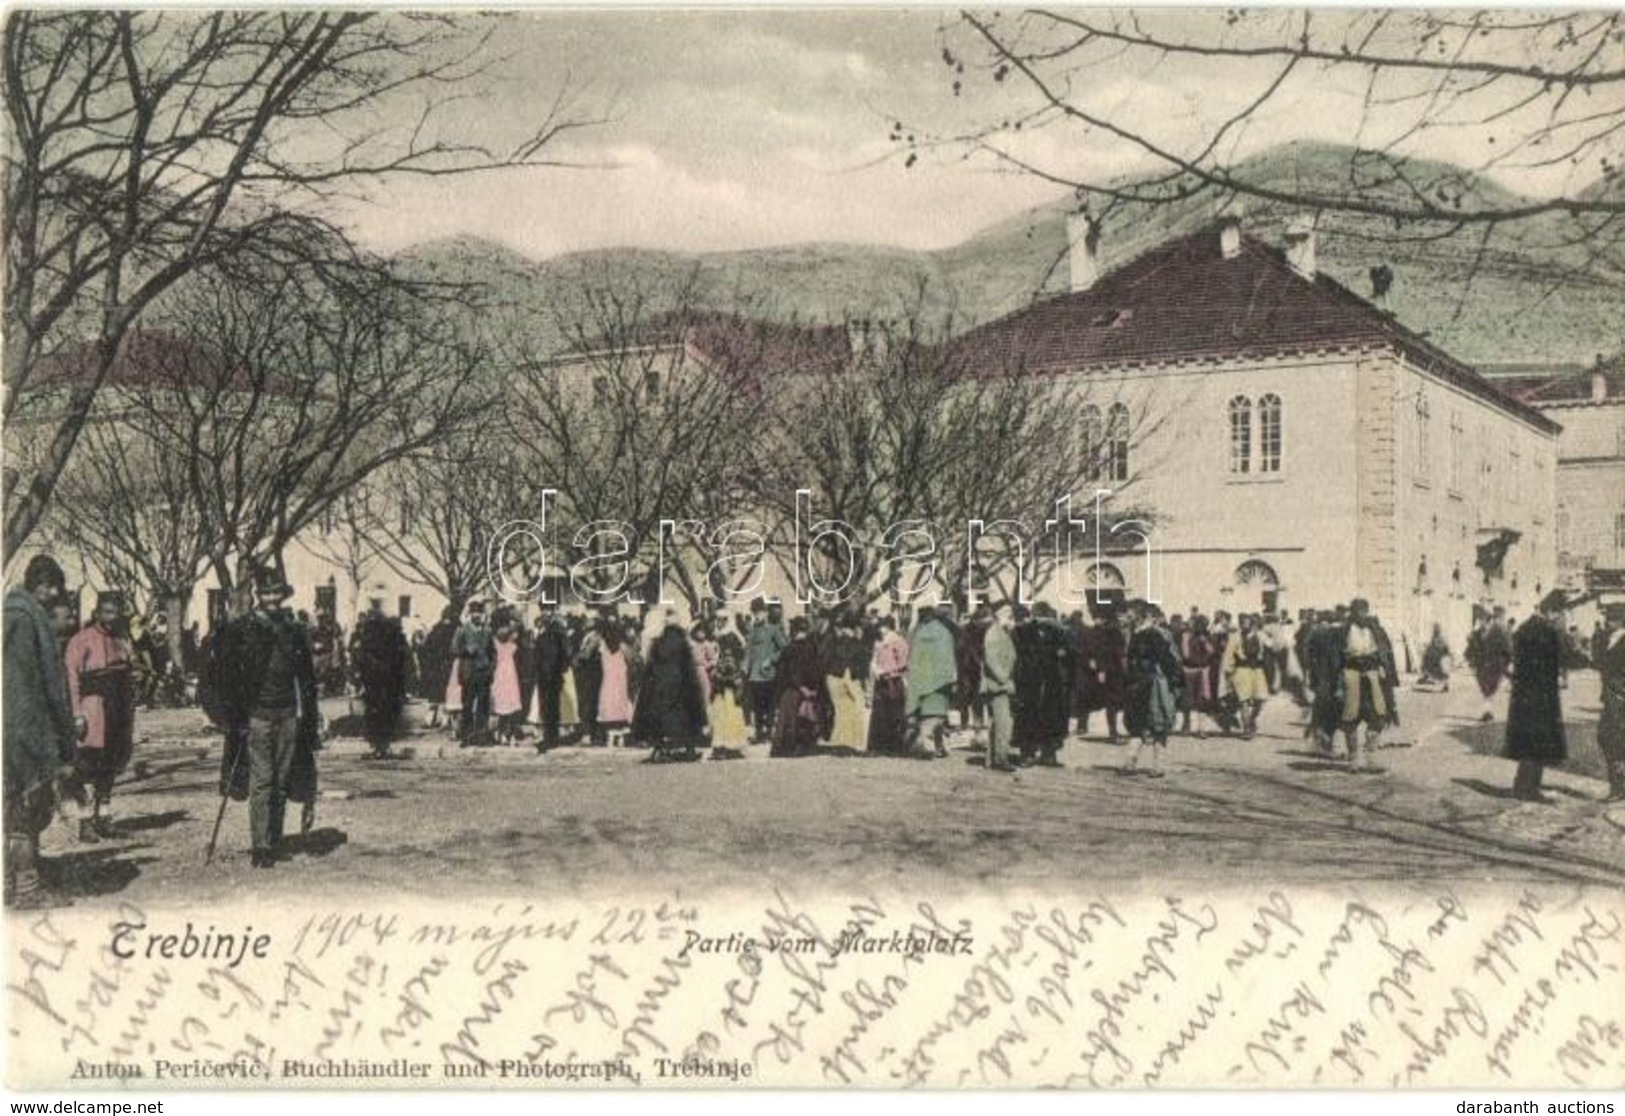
(1535, 291)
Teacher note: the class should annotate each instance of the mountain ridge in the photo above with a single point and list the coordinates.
(1532, 294)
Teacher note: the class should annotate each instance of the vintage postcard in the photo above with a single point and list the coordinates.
(853, 548)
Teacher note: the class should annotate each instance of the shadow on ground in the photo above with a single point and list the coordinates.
(1490, 740)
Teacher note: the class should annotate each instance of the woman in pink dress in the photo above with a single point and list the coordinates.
(614, 692)
(507, 698)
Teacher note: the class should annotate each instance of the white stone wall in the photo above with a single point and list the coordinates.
(1590, 492)
(1300, 520)
(1505, 477)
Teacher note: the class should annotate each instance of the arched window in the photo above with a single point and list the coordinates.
(1241, 434)
(1104, 575)
(1094, 432)
(1254, 572)
(1269, 434)
(1117, 437)
(1424, 442)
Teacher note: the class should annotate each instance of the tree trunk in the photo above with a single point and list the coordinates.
(174, 608)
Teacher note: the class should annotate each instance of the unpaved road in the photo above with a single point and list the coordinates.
(447, 822)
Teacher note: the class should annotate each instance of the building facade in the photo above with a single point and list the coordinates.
(1589, 403)
(1299, 446)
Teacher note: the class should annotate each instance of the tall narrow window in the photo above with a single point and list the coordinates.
(1424, 441)
(1619, 532)
(1455, 451)
(1241, 434)
(1269, 434)
(1563, 527)
(1117, 436)
(1094, 443)
(651, 386)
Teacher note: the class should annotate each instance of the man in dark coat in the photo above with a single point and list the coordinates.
(670, 713)
(1045, 661)
(267, 680)
(1535, 735)
(968, 649)
(40, 729)
(588, 668)
(380, 668)
(475, 650)
(327, 649)
(805, 710)
(1611, 727)
(1156, 679)
(1488, 653)
(551, 659)
(1321, 670)
(434, 662)
(1367, 677)
(1103, 674)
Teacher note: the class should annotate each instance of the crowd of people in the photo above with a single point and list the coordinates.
(1021, 679)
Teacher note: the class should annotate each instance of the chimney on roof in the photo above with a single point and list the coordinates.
(1083, 239)
(1300, 246)
(1230, 235)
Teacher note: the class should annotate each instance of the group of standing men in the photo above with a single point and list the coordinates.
(843, 679)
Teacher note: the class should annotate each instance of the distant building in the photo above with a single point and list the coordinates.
(1304, 447)
(1590, 405)
(1298, 445)
(155, 372)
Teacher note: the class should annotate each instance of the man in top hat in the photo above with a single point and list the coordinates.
(1535, 735)
(380, 667)
(101, 688)
(40, 729)
(475, 650)
(268, 684)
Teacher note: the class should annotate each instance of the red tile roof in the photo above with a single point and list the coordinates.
(1563, 388)
(749, 344)
(147, 358)
(1183, 301)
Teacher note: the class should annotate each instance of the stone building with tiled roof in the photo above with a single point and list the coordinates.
(1590, 511)
(1308, 447)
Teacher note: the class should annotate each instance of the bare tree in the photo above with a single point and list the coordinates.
(343, 536)
(647, 418)
(444, 506)
(144, 145)
(917, 430)
(1526, 93)
(261, 402)
(125, 506)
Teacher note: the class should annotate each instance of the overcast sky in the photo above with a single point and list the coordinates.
(742, 129)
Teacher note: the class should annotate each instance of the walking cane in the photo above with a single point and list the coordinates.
(225, 796)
